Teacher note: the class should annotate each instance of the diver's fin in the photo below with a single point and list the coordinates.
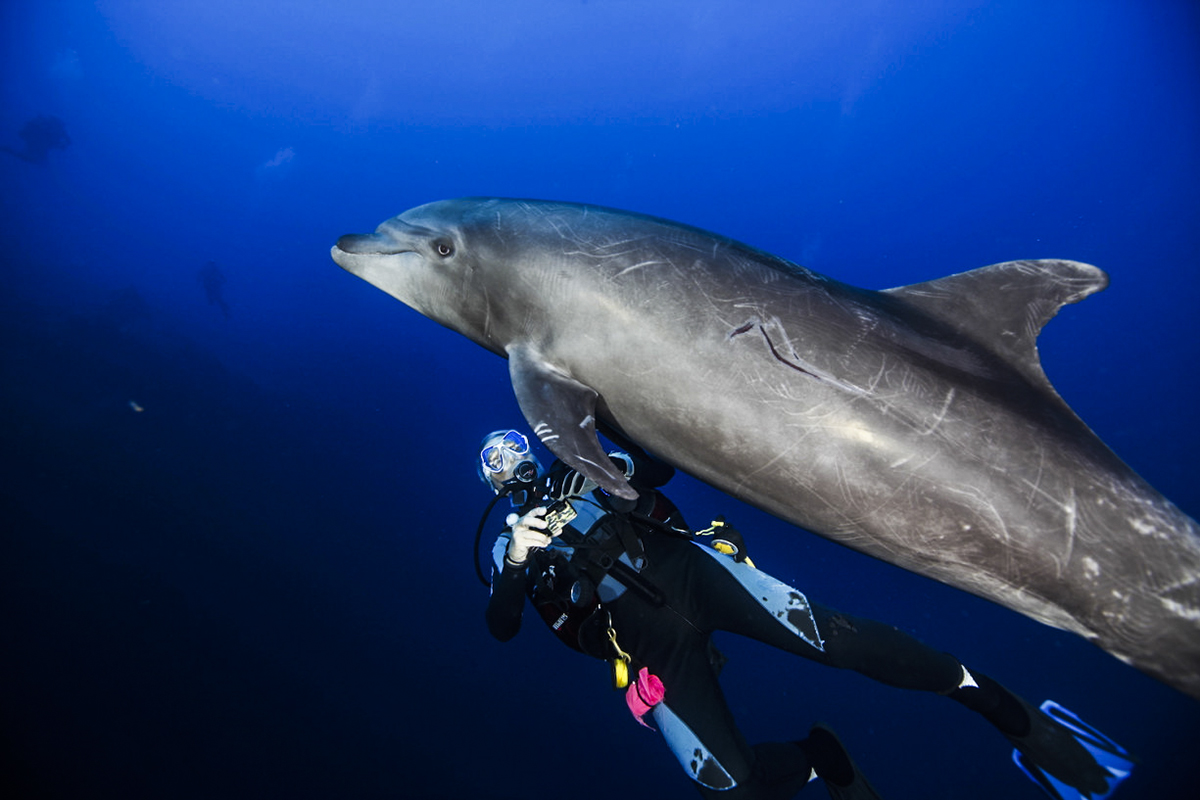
(562, 412)
(1113, 759)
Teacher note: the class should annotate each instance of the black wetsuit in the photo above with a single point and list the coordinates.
(689, 591)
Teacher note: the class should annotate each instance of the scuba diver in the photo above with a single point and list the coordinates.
(630, 583)
(41, 134)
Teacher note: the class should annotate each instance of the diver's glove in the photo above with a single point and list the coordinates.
(569, 483)
(526, 535)
(565, 482)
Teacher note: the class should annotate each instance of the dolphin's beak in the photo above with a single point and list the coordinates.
(376, 244)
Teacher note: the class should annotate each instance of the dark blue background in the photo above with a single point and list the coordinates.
(260, 586)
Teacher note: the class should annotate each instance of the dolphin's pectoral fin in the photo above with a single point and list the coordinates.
(562, 412)
(1004, 306)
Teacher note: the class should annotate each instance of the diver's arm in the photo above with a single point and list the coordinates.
(649, 472)
(643, 472)
(507, 601)
(509, 579)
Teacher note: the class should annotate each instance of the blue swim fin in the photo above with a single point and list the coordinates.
(1108, 754)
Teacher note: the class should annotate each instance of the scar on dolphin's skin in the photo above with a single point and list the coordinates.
(544, 432)
(771, 346)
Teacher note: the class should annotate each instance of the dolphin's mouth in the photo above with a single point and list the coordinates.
(370, 244)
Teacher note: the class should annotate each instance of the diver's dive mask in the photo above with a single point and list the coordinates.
(496, 456)
(505, 456)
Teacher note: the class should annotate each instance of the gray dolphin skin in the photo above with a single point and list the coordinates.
(914, 424)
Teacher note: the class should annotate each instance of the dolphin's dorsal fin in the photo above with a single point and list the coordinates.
(1004, 307)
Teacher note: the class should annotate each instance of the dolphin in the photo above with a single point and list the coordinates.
(914, 424)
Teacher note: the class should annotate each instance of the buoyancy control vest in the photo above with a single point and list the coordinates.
(596, 558)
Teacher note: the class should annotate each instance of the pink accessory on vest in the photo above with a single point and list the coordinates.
(643, 695)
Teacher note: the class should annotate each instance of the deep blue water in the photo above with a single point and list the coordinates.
(260, 584)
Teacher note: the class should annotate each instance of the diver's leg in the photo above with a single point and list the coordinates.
(673, 642)
(884, 653)
(726, 595)
(694, 717)
(772, 770)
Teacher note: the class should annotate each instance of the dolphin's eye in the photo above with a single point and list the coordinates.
(444, 248)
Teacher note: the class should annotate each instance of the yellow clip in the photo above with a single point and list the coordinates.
(620, 664)
(620, 673)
